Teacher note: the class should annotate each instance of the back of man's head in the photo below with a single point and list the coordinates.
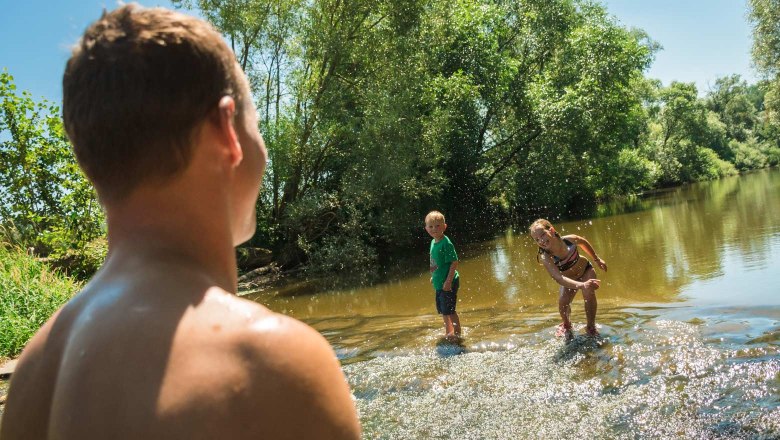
(138, 84)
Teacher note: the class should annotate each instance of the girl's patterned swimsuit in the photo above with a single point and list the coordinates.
(572, 265)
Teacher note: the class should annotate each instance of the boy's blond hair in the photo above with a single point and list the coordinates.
(435, 216)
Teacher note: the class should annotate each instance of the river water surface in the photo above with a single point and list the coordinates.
(689, 314)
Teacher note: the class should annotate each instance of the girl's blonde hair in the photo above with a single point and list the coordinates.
(542, 223)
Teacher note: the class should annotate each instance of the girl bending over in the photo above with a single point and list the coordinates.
(571, 270)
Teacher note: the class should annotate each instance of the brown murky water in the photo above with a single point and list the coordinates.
(689, 314)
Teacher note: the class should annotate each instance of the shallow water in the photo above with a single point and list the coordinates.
(689, 313)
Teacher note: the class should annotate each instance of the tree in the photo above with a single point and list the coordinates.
(733, 101)
(375, 112)
(765, 16)
(47, 203)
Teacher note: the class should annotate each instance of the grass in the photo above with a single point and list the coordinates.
(30, 292)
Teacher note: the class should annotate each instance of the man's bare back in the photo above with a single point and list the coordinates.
(172, 356)
(157, 346)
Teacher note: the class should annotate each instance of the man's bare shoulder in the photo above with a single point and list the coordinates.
(216, 365)
(290, 371)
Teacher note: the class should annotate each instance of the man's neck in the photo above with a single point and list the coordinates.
(154, 225)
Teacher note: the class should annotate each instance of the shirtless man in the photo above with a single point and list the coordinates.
(157, 346)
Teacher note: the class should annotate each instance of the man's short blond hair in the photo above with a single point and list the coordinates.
(435, 216)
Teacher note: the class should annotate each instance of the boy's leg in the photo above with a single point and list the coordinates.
(440, 308)
(448, 327)
(455, 323)
(453, 302)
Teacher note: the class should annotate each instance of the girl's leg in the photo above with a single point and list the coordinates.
(565, 297)
(590, 302)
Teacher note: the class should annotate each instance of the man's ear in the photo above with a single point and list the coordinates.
(227, 113)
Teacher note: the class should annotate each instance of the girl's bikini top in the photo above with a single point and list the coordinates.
(572, 265)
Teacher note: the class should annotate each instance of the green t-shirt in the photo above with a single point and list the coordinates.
(442, 255)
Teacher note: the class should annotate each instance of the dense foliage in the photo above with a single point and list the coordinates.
(30, 292)
(46, 203)
(491, 111)
(765, 17)
(376, 112)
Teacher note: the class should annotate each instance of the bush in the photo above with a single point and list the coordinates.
(30, 292)
(771, 152)
(47, 203)
(726, 168)
(710, 166)
(83, 262)
(637, 173)
(747, 156)
(548, 185)
(347, 255)
(670, 170)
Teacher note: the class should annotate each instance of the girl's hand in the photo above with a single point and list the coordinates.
(592, 283)
(602, 264)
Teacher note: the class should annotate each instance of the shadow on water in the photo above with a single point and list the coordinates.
(581, 346)
(449, 346)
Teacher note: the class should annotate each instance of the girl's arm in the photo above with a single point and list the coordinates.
(564, 281)
(586, 246)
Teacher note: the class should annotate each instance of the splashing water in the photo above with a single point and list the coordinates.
(658, 381)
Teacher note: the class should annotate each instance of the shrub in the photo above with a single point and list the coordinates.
(771, 152)
(83, 262)
(47, 203)
(726, 168)
(746, 155)
(709, 165)
(637, 173)
(347, 255)
(30, 292)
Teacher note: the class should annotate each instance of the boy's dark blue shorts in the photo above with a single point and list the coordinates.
(445, 301)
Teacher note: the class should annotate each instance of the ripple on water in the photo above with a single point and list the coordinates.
(665, 383)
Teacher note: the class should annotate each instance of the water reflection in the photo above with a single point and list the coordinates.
(724, 230)
(689, 312)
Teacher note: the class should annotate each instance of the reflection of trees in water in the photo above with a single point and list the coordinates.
(684, 236)
(679, 237)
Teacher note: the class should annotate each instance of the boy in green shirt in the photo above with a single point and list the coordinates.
(444, 274)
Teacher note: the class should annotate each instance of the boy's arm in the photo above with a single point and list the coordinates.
(450, 277)
(586, 246)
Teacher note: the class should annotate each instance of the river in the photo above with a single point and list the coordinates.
(689, 314)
